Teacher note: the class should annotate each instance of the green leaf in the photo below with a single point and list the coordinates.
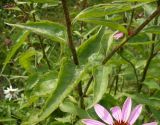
(141, 37)
(69, 77)
(6, 119)
(71, 108)
(40, 86)
(152, 29)
(25, 59)
(64, 87)
(100, 83)
(20, 40)
(45, 1)
(137, 0)
(90, 46)
(144, 99)
(110, 41)
(52, 30)
(152, 85)
(156, 113)
(105, 9)
(103, 22)
(46, 84)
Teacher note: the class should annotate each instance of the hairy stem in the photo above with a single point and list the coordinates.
(69, 32)
(72, 47)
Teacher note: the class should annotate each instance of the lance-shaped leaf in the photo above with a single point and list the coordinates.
(71, 108)
(52, 30)
(19, 42)
(45, 1)
(152, 29)
(68, 78)
(100, 83)
(106, 9)
(103, 22)
(90, 46)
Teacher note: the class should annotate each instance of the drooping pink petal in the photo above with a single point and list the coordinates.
(92, 122)
(135, 114)
(103, 114)
(116, 113)
(151, 123)
(126, 110)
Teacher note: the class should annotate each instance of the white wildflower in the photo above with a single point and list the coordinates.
(11, 93)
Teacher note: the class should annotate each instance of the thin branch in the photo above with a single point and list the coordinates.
(43, 51)
(151, 56)
(132, 65)
(41, 43)
(110, 89)
(88, 84)
(116, 84)
(84, 5)
(131, 18)
(69, 32)
(148, 20)
(80, 92)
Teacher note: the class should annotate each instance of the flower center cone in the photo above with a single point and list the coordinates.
(120, 123)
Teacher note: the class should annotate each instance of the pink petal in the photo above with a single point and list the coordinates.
(126, 110)
(116, 113)
(103, 114)
(118, 35)
(135, 114)
(152, 123)
(92, 122)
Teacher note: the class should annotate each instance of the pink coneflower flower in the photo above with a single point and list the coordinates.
(118, 35)
(121, 117)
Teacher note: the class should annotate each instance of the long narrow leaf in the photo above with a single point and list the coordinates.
(20, 40)
(54, 31)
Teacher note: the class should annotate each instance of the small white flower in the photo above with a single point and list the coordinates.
(11, 93)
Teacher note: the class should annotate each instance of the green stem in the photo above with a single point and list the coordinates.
(87, 87)
(41, 43)
(132, 65)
